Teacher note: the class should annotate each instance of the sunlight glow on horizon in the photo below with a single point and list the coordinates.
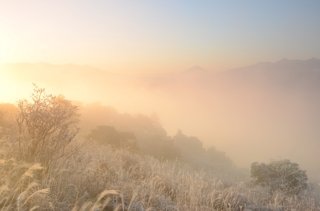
(153, 36)
(214, 69)
(8, 89)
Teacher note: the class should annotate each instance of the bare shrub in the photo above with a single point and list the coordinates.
(46, 126)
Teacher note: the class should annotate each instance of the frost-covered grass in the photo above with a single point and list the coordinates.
(100, 178)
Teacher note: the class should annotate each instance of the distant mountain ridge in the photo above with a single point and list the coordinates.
(291, 74)
(269, 105)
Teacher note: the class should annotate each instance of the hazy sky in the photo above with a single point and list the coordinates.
(163, 35)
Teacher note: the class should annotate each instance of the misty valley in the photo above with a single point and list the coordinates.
(62, 154)
(154, 105)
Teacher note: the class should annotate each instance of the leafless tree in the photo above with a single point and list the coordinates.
(46, 126)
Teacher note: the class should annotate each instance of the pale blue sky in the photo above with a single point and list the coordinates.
(150, 35)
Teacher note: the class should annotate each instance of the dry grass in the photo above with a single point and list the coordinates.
(100, 178)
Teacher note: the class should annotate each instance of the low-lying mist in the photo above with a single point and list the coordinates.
(264, 112)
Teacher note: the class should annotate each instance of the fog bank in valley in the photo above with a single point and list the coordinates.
(262, 112)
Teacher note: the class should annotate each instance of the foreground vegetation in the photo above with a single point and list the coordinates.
(99, 178)
(45, 166)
